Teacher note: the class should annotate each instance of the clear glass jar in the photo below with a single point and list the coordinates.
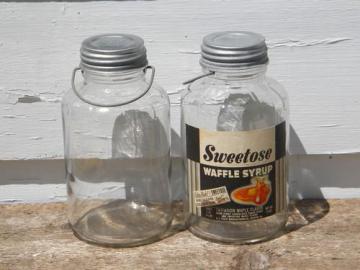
(117, 146)
(235, 121)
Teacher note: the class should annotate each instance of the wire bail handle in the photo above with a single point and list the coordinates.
(114, 104)
(198, 77)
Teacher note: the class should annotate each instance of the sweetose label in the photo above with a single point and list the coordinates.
(232, 149)
(236, 176)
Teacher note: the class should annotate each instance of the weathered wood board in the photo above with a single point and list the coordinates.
(320, 235)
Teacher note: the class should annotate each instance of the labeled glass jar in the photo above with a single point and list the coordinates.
(234, 127)
(117, 145)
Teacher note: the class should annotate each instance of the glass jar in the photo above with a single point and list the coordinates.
(117, 145)
(234, 127)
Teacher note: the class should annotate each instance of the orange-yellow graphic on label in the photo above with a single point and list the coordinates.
(257, 193)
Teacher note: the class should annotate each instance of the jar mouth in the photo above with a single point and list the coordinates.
(110, 71)
(236, 73)
(113, 76)
(255, 68)
(113, 52)
(233, 50)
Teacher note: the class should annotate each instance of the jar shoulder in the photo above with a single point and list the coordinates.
(208, 91)
(279, 90)
(158, 91)
(156, 95)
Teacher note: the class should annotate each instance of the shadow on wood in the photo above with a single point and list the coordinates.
(305, 212)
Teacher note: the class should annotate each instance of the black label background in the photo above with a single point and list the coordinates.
(192, 143)
(280, 140)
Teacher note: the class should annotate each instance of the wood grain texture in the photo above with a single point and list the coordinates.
(314, 51)
(320, 235)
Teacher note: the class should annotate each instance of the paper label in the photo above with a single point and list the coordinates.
(236, 176)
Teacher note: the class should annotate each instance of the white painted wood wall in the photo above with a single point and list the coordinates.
(314, 53)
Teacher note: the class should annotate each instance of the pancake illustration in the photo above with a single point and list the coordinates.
(257, 193)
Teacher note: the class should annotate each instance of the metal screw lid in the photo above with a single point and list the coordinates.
(233, 50)
(113, 52)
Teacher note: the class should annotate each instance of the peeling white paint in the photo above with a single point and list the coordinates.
(15, 96)
(287, 43)
(306, 43)
(314, 54)
(48, 120)
(32, 193)
(51, 100)
(189, 51)
(36, 138)
(104, 137)
(13, 116)
(28, 99)
(63, 11)
(329, 125)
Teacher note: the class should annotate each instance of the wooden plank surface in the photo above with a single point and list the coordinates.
(320, 235)
(314, 52)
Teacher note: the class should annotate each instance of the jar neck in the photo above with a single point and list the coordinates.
(243, 74)
(113, 77)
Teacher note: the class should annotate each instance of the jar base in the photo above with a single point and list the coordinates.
(215, 231)
(123, 224)
(99, 242)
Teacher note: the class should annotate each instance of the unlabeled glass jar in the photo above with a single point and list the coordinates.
(117, 145)
(234, 127)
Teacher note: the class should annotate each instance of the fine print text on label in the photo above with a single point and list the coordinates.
(210, 197)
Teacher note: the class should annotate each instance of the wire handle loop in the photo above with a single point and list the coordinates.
(114, 104)
(199, 77)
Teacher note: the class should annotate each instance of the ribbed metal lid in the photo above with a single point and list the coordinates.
(233, 49)
(113, 52)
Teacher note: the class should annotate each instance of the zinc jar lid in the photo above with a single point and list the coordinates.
(113, 52)
(233, 50)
